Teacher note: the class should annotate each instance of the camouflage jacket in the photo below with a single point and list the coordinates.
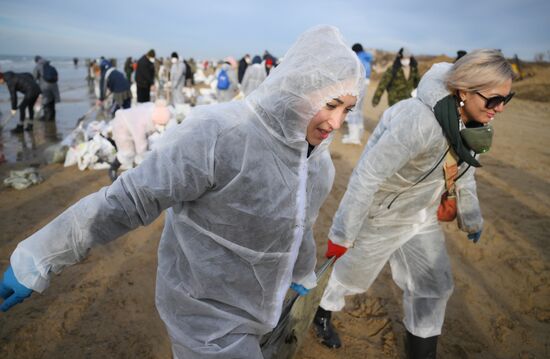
(399, 89)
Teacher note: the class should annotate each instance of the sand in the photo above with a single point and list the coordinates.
(104, 306)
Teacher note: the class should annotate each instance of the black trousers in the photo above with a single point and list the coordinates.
(28, 103)
(143, 94)
(49, 111)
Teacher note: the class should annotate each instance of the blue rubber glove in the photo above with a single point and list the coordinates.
(12, 291)
(300, 289)
(474, 237)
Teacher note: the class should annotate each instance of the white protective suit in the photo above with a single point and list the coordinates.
(233, 89)
(177, 80)
(241, 196)
(253, 76)
(131, 127)
(405, 145)
(355, 120)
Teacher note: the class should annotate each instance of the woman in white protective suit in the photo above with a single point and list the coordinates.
(389, 211)
(242, 183)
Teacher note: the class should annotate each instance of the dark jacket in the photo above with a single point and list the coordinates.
(22, 82)
(242, 69)
(116, 82)
(145, 72)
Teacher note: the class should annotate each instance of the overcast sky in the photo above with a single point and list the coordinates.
(214, 29)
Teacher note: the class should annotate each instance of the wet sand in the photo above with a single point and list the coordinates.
(104, 306)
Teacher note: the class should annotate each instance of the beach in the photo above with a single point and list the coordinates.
(104, 306)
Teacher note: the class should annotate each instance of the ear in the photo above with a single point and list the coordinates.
(462, 95)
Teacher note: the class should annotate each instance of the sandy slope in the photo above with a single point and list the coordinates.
(104, 307)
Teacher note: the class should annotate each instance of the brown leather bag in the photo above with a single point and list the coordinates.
(447, 207)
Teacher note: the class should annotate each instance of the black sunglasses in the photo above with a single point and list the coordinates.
(494, 101)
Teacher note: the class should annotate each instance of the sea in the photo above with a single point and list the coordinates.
(77, 99)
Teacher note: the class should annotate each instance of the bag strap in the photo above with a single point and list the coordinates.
(450, 171)
(423, 177)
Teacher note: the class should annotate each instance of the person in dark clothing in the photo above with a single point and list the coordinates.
(24, 83)
(48, 88)
(459, 54)
(190, 68)
(243, 64)
(129, 68)
(270, 61)
(145, 76)
(113, 80)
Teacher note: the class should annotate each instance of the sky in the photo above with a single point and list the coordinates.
(214, 29)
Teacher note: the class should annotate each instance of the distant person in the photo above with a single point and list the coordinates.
(163, 77)
(113, 80)
(517, 68)
(254, 75)
(145, 76)
(47, 78)
(243, 64)
(270, 61)
(131, 128)
(459, 54)
(190, 69)
(128, 69)
(418, 162)
(177, 79)
(399, 80)
(24, 83)
(355, 118)
(75, 62)
(228, 85)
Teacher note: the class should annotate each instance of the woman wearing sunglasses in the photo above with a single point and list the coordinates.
(389, 211)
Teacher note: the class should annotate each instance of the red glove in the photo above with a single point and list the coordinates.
(335, 250)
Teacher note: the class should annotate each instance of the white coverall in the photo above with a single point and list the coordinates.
(253, 76)
(405, 145)
(233, 89)
(241, 196)
(355, 120)
(131, 127)
(177, 80)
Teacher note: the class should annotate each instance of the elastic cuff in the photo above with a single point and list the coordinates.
(26, 271)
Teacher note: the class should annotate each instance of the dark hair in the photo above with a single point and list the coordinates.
(151, 53)
(459, 54)
(357, 47)
(175, 54)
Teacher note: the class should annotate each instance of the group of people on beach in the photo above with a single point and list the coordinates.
(42, 81)
(242, 183)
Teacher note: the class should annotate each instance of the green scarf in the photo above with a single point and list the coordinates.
(446, 113)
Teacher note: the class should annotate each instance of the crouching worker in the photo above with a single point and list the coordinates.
(242, 183)
(393, 202)
(118, 85)
(132, 128)
(24, 83)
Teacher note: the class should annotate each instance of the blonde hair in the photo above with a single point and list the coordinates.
(479, 70)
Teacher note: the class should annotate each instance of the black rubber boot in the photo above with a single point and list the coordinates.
(29, 127)
(325, 331)
(18, 129)
(113, 170)
(421, 348)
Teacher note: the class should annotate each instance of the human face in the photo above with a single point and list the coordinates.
(329, 118)
(474, 103)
